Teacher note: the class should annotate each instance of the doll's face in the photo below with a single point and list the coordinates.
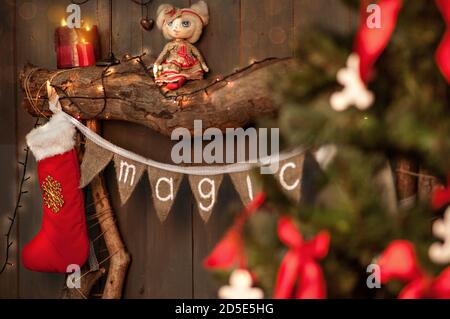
(182, 27)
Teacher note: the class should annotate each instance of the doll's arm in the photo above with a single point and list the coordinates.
(162, 56)
(200, 58)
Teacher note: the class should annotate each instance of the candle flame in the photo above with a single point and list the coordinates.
(83, 41)
(88, 28)
(63, 22)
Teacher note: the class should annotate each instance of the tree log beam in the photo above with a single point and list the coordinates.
(130, 94)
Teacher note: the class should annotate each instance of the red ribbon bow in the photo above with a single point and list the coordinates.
(443, 51)
(229, 253)
(399, 262)
(300, 263)
(441, 195)
(370, 42)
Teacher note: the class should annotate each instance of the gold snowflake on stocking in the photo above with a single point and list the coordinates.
(52, 194)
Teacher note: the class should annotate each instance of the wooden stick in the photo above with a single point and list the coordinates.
(406, 183)
(426, 185)
(120, 259)
(89, 278)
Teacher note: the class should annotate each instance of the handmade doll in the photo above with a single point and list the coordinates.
(180, 60)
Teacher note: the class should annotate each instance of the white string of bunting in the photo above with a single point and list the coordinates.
(192, 170)
(165, 179)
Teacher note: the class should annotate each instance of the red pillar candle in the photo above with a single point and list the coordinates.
(90, 35)
(65, 46)
(86, 54)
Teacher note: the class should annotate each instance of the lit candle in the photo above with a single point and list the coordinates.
(70, 50)
(90, 35)
(85, 53)
(65, 46)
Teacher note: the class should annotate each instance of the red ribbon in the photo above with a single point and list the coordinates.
(399, 262)
(189, 60)
(441, 195)
(300, 263)
(229, 253)
(370, 43)
(443, 51)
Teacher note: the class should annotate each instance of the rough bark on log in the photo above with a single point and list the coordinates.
(119, 257)
(132, 95)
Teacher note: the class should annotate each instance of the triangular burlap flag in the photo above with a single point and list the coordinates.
(289, 175)
(94, 161)
(128, 174)
(246, 186)
(205, 190)
(385, 182)
(164, 190)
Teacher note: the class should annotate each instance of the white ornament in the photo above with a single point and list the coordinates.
(440, 252)
(325, 155)
(354, 91)
(240, 287)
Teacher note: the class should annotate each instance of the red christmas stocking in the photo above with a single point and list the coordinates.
(62, 239)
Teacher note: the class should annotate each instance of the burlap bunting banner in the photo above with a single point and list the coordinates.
(94, 161)
(289, 176)
(205, 190)
(164, 186)
(246, 186)
(128, 174)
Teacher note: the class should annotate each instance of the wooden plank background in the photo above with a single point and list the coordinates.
(166, 258)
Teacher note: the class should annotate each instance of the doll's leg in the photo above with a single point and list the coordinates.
(176, 85)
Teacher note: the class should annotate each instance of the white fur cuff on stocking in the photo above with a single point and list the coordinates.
(54, 138)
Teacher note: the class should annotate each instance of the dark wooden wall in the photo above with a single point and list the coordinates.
(166, 257)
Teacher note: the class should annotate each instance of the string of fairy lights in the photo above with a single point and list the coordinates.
(12, 218)
(180, 99)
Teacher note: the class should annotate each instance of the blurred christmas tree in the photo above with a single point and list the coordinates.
(402, 117)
